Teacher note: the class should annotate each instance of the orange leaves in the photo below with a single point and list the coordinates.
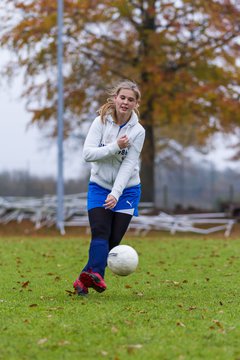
(217, 325)
(25, 284)
(185, 64)
(33, 305)
(70, 293)
(37, 19)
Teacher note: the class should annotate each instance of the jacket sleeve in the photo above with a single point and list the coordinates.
(92, 151)
(127, 166)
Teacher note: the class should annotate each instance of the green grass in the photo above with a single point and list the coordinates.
(181, 303)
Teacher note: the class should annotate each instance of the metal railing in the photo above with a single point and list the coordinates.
(42, 212)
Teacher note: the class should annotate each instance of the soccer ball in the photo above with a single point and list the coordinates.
(122, 260)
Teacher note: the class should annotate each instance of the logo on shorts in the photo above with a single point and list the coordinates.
(130, 203)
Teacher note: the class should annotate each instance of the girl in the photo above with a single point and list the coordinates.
(113, 146)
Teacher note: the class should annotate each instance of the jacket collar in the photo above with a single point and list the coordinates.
(131, 122)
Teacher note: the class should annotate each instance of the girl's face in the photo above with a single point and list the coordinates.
(125, 102)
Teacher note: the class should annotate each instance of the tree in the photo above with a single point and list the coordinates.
(182, 53)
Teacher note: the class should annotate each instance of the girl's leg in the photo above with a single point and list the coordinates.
(119, 227)
(100, 221)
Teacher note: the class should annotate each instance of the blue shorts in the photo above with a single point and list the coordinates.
(127, 202)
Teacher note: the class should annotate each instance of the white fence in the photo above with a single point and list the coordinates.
(206, 223)
(42, 212)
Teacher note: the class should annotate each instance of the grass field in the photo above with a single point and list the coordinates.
(181, 303)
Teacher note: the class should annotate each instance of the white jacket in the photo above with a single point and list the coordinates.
(111, 167)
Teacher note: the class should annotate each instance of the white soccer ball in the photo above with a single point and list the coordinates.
(122, 260)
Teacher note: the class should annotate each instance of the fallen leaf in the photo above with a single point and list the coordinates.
(63, 342)
(25, 284)
(128, 322)
(56, 308)
(217, 322)
(179, 323)
(70, 293)
(42, 341)
(114, 329)
(181, 357)
(104, 353)
(131, 348)
(135, 346)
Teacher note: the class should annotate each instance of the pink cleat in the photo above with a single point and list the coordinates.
(93, 280)
(80, 288)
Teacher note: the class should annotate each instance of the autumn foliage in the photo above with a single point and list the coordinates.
(183, 54)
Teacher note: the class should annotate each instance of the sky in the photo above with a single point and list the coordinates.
(24, 148)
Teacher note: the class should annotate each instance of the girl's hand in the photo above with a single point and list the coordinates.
(123, 142)
(110, 202)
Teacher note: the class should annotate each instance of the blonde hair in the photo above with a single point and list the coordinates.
(109, 106)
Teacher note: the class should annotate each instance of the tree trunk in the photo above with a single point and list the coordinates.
(148, 15)
(147, 166)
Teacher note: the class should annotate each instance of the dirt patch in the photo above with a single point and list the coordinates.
(27, 228)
